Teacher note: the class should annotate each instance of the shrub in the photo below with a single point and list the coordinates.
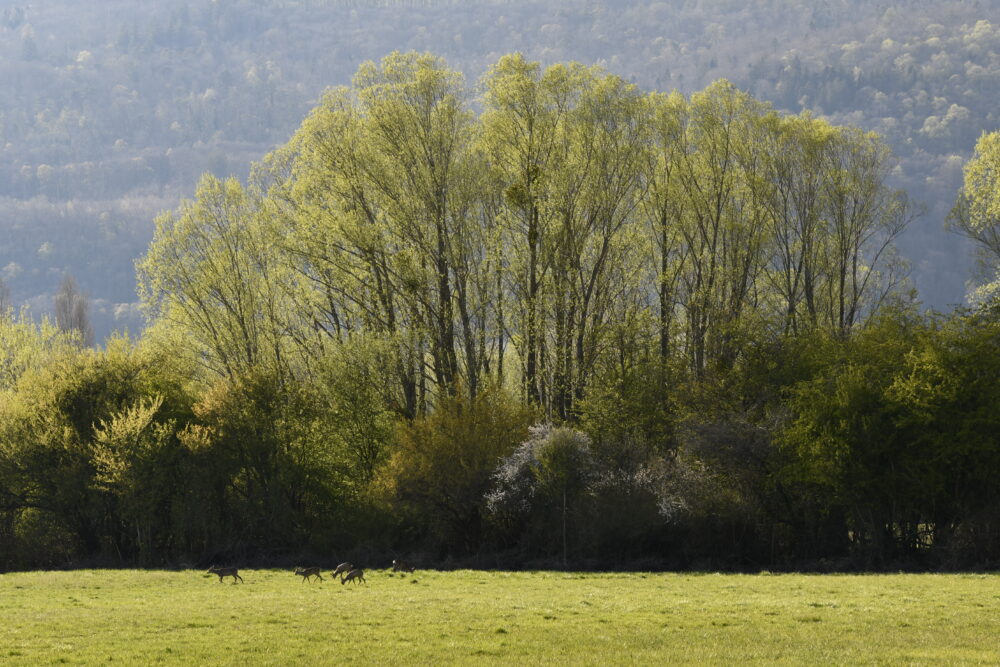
(440, 471)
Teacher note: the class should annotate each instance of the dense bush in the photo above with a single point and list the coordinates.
(89, 451)
(440, 470)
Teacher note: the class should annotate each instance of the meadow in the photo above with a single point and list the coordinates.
(475, 617)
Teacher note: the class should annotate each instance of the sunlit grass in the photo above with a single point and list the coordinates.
(123, 616)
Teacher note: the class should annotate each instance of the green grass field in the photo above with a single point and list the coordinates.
(131, 616)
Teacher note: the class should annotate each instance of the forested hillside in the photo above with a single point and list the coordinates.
(111, 110)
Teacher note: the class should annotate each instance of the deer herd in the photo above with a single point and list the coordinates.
(346, 571)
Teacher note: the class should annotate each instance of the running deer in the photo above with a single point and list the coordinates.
(342, 569)
(308, 572)
(400, 566)
(226, 572)
(355, 576)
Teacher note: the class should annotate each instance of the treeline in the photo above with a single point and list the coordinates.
(582, 324)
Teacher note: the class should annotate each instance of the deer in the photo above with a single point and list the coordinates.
(226, 572)
(342, 569)
(308, 572)
(355, 576)
(400, 566)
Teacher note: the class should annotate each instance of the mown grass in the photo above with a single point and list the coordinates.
(128, 616)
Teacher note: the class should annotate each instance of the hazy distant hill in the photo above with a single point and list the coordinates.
(110, 109)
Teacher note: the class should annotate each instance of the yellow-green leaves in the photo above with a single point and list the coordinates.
(519, 246)
(122, 437)
(212, 270)
(982, 174)
(977, 212)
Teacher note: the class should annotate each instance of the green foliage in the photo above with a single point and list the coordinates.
(637, 407)
(210, 270)
(84, 450)
(947, 392)
(26, 345)
(274, 472)
(976, 213)
(539, 232)
(893, 433)
(440, 471)
(353, 389)
(131, 454)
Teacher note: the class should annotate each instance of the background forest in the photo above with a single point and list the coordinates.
(548, 318)
(111, 110)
